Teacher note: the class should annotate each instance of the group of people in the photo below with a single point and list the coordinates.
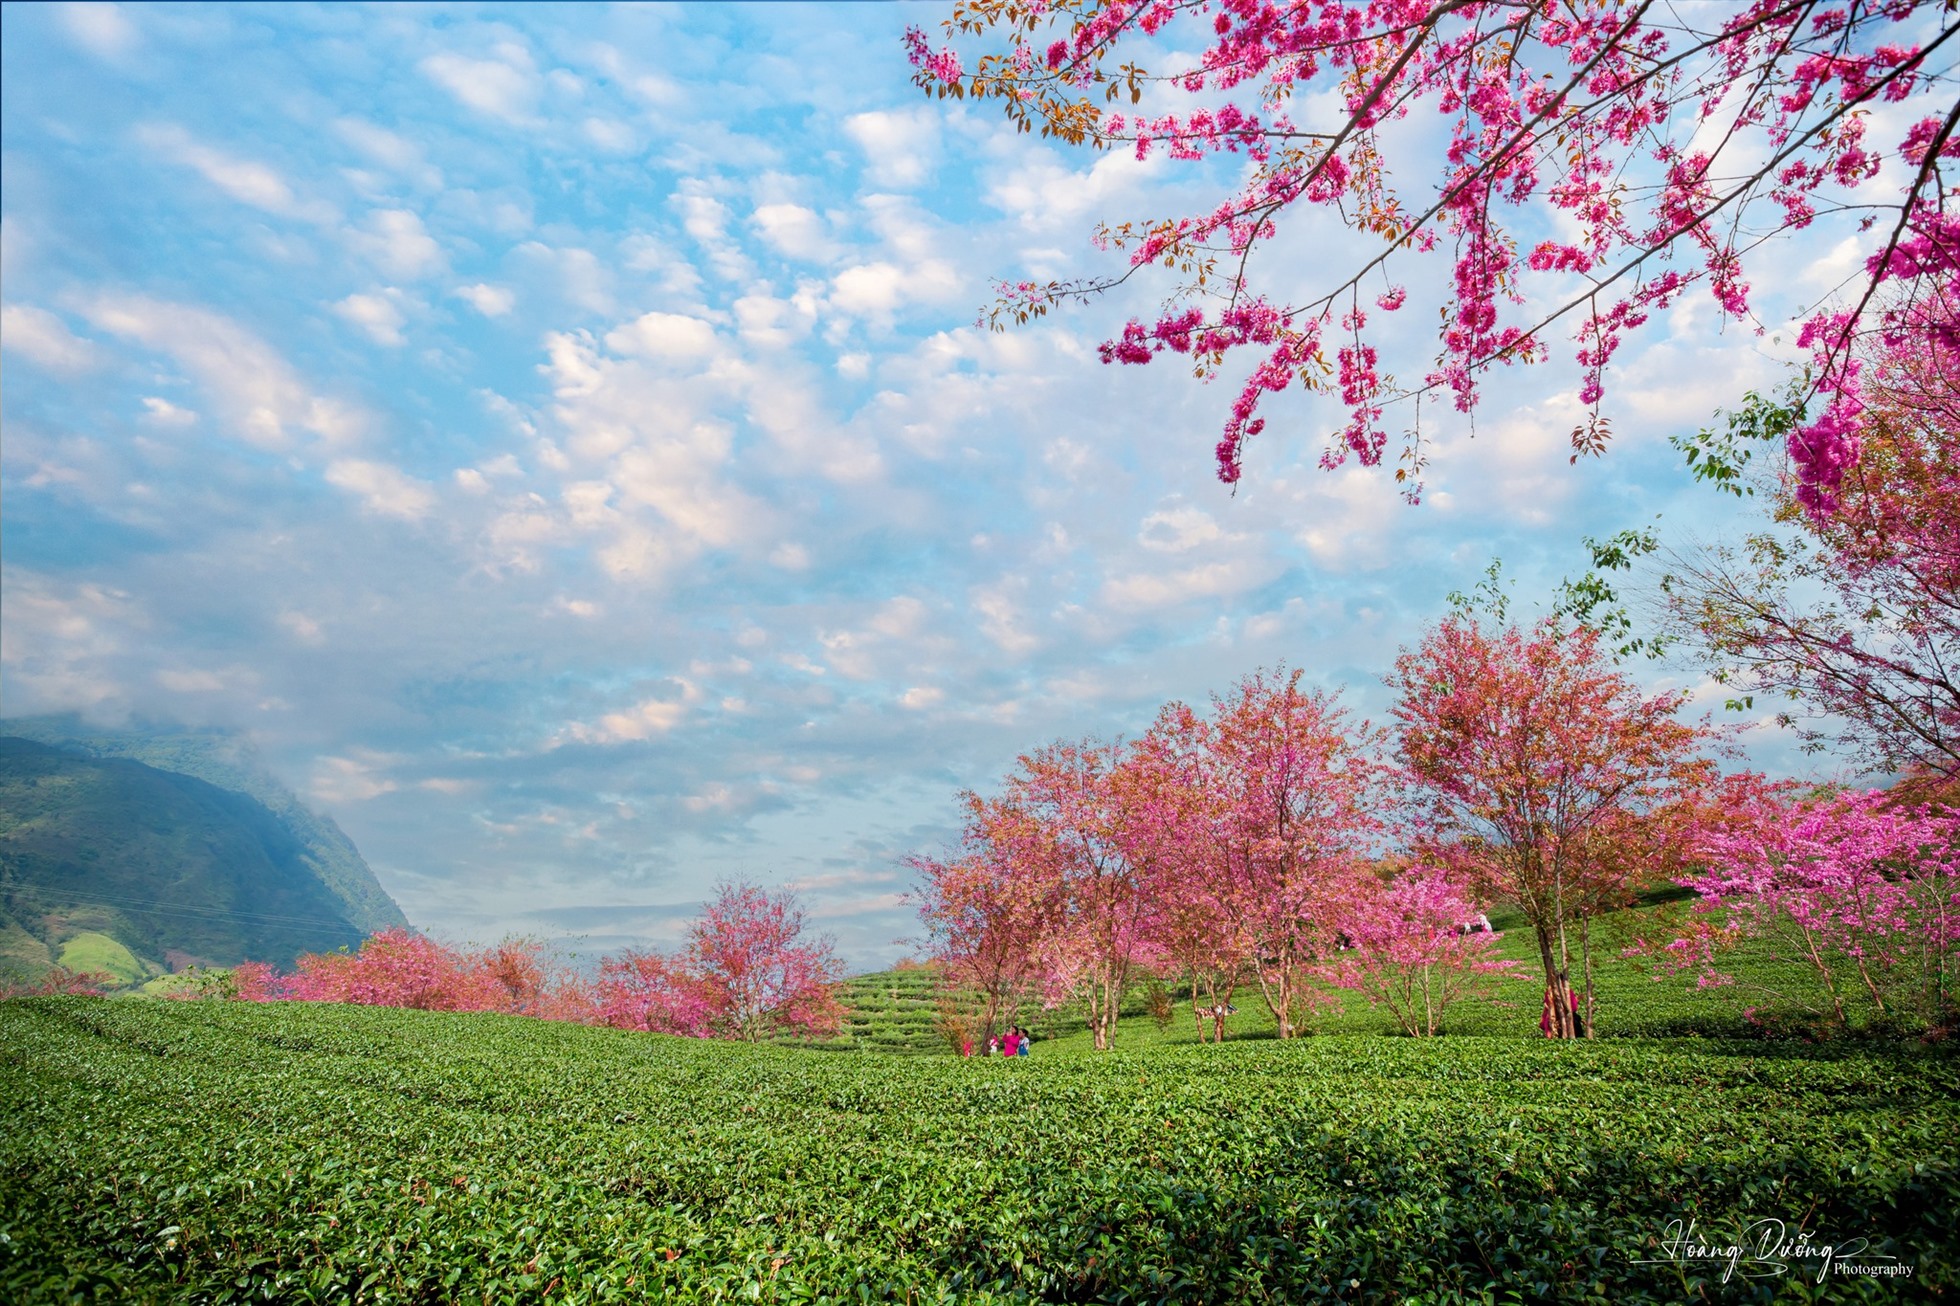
(1014, 1043)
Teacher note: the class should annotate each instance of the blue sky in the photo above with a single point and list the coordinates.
(561, 438)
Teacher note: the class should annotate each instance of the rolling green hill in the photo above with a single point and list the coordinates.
(170, 867)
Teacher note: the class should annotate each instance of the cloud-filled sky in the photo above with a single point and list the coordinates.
(560, 436)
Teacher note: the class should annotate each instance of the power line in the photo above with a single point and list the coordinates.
(85, 898)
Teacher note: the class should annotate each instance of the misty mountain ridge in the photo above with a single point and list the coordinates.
(177, 845)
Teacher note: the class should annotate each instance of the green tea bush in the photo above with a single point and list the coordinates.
(296, 1152)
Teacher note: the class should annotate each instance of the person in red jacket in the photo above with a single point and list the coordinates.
(1010, 1043)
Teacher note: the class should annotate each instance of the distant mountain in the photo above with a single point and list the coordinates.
(178, 844)
(230, 762)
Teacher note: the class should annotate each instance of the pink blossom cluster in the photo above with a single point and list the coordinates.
(1412, 951)
(1851, 889)
(1586, 106)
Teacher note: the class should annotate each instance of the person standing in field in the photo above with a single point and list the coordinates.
(1025, 1040)
(1012, 1043)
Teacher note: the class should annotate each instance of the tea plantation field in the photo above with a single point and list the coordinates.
(160, 1151)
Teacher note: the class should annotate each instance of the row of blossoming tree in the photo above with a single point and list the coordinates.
(747, 971)
(1277, 843)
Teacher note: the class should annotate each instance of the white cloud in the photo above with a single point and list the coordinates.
(506, 87)
(260, 395)
(399, 155)
(161, 412)
(397, 242)
(245, 180)
(1177, 529)
(61, 643)
(868, 288)
(352, 779)
(705, 218)
(712, 798)
(649, 435)
(379, 315)
(1002, 619)
(44, 340)
(775, 323)
(385, 490)
(1158, 589)
(919, 698)
(877, 289)
(656, 91)
(302, 628)
(664, 335)
(797, 420)
(610, 134)
(793, 230)
(644, 720)
(1044, 195)
(899, 146)
(198, 681)
(104, 30)
(574, 274)
(491, 301)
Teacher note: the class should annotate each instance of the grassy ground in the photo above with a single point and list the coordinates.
(91, 952)
(893, 1011)
(218, 1152)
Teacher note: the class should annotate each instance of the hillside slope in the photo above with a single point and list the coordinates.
(174, 868)
(230, 762)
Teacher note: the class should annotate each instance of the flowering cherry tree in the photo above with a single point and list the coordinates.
(1668, 142)
(1855, 892)
(756, 970)
(1410, 951)
(1190, 871)
(1292, 773)
(1519, 749)
(647, 991)
(396, 968)
(1852, 616)
(982, 928)
(1067, 838)
(747, 972)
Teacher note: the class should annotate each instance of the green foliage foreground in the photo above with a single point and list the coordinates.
(231, 1152)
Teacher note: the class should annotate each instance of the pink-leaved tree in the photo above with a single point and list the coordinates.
(648, 991)
(1411, 951)
(1851, 900)
(1666, 144)
(396, 968)
(1295, 784)
(1850, 618)
(1190, 878)
(983, 932)
(1064, 832)
(757, 970)
(1519, 750)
